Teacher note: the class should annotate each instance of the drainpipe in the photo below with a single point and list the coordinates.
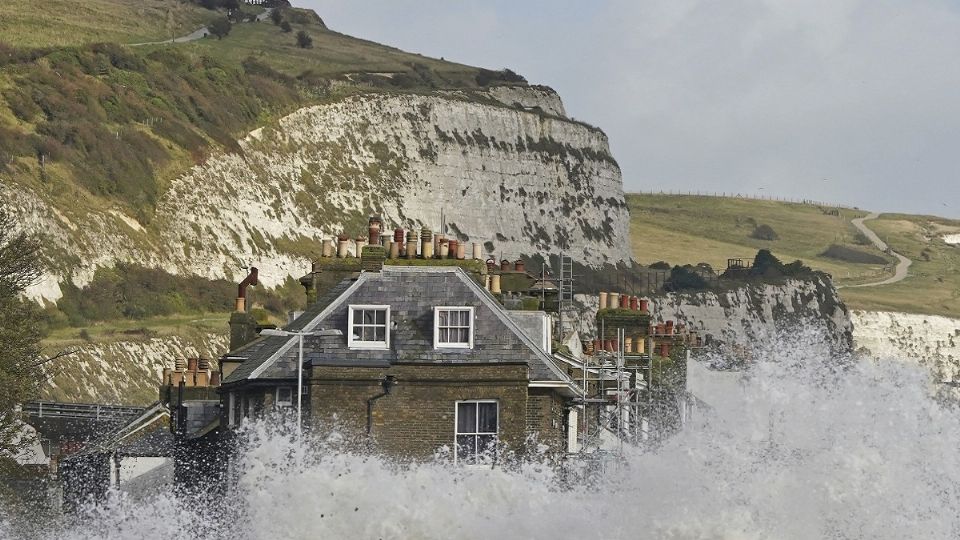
(181, 422)
(387, 383)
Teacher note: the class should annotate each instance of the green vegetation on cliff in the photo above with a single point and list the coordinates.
(93, 126)
(105, 122)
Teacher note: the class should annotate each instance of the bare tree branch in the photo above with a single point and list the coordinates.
(57, 356)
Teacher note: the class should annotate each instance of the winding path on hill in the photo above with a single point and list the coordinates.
(199, 33)
(901, 271)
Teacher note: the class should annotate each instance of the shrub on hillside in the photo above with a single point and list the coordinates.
(276, 16)
(766, 265)
(685, 278)
(285, 26)
(660, 265)
(304, 41)
(487, 77)
(764, 232)
(220, 28)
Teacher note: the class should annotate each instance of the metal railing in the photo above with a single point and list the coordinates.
(84, 411)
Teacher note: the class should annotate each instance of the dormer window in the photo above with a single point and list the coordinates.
(453, 327)
(369, 327)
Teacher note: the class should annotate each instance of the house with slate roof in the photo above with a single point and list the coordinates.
(410, 361)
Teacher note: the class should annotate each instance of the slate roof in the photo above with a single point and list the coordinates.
(531, 322)
(146, 435)
(411, 292)
(260, 350)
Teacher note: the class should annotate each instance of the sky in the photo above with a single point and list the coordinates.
(853, 102)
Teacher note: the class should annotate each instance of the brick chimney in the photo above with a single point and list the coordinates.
(372, 257)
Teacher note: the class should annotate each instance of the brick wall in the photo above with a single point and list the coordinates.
(546, 419)
(417, 418)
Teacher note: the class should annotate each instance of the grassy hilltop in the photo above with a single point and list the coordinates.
(682, 229)
(66, 23)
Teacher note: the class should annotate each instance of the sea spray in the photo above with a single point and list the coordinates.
(797, 445)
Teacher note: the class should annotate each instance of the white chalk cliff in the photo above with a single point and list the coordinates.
(930, 340)
(521, 179)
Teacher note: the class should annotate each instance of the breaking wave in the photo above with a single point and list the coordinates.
(798, 446)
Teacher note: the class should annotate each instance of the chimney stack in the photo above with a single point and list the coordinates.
(398, 238)
(376, 225)
(411, 244)
(444, 248)
(426, 239)
(361, 243)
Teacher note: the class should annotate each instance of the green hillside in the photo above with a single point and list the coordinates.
(682, 229)
(933, 285)
(65, 23)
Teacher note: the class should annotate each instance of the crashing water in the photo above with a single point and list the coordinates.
(799, 446)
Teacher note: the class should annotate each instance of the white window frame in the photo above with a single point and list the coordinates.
(358, 344)
(283, 404)
(456, 424)
(436, 327)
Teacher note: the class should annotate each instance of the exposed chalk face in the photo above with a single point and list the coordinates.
(526, 96)
(127, 372)
(952, 239)
(516, 181)
(930, 340)
(752, 314)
